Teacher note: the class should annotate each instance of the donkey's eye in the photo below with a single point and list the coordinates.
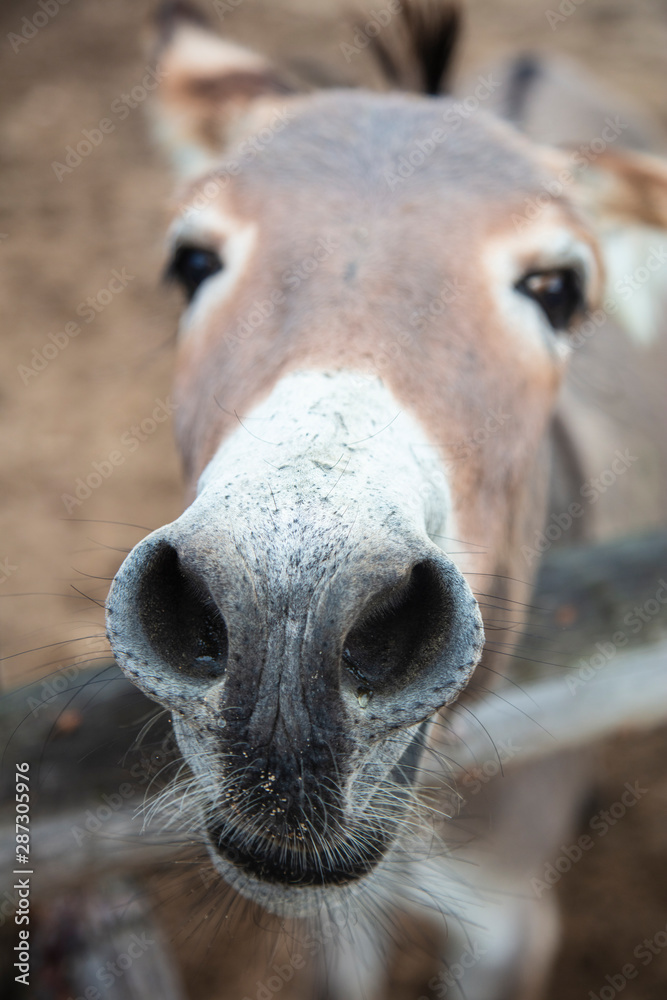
(193, 265)
(559, 294)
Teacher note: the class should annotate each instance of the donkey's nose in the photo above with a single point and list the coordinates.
(394, 629)
(415, 640)
(168, 615)
(179, 616)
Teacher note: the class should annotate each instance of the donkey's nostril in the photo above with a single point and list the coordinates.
(400, 632)
(180, 618)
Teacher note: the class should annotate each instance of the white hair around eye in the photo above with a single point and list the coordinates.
(210, 232)
(543, 279)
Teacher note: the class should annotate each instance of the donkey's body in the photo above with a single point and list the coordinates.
(368, 380)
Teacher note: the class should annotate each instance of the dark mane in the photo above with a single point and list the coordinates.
(428, 32)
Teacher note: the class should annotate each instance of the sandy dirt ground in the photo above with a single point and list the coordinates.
(67, 402)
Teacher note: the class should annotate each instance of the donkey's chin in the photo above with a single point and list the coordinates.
(289, 882)
(290, 879)
(293, 874)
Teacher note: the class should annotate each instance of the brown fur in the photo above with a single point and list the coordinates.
(325, 175)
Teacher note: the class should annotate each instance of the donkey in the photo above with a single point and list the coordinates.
(367, 385)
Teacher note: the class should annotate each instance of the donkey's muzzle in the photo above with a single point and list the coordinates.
(291, 671)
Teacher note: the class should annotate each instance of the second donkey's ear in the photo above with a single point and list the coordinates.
(208, 88)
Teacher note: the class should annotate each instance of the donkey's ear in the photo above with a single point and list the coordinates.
(625, 193)
(626, 187)
(208, 88)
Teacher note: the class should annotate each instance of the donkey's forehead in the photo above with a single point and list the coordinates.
(384, 150)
